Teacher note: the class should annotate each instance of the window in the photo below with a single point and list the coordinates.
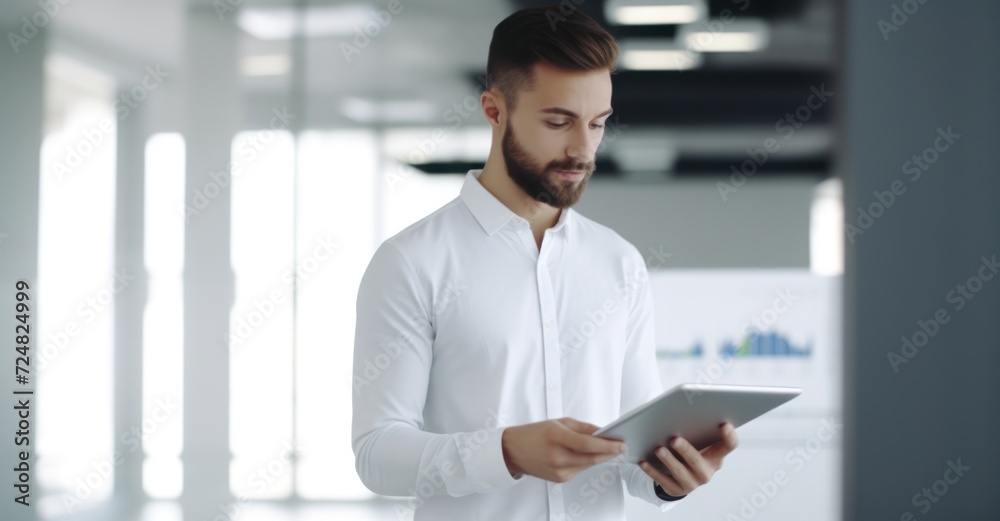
(292, 328)
(74, 298)
(163, 318)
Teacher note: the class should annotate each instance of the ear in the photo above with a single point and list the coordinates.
(493, 107)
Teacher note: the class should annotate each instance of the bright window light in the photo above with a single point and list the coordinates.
(74, 296)
(343, 209)
(337, 211)
(413, 195)
(163, 318)
(260, 325)
(826, 229)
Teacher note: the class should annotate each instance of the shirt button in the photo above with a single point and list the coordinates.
(552, 387)
(548, 323)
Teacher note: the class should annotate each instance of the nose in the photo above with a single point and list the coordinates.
(583, 144)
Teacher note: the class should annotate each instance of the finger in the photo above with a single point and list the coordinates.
(700, 467)
(730, 440)
(667, 483)
(681, 473)
(579, 426)
(586, 443)
(581, 460)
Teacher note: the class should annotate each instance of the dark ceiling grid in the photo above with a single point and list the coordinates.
(707, 97)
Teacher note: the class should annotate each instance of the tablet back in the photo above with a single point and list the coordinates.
(694, 412)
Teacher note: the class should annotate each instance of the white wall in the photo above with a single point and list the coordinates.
(764, 224)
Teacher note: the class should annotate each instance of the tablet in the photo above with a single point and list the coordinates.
(693, 412)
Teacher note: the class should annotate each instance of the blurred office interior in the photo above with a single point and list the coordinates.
(193, 189)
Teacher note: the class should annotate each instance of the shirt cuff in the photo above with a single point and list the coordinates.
(643, 487)
(662, 494)
(484, 465)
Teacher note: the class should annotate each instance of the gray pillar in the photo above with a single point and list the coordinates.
(129, 305)
(921, 414)
(211, 90)
(22, 106)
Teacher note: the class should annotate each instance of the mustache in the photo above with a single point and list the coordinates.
(572, 165)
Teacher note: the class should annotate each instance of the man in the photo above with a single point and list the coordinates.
(495, 334)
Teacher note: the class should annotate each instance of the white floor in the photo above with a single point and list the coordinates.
(170, 511)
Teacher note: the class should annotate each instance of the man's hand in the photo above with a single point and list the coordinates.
(556, 450)
(692, 468)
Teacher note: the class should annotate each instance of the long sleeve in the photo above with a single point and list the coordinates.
(393, 352)
(640, 373)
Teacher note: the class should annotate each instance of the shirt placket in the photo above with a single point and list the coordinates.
(551, 356)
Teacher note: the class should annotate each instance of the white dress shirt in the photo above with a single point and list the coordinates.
(466, 327)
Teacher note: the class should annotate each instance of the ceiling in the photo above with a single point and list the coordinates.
(673, 123)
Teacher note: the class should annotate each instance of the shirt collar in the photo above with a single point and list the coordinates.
(493, 214)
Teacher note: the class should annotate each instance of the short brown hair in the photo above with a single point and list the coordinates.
(569, 41)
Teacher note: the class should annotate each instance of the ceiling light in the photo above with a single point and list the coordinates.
(281, 23)
(717, 36)
(657, 55)
(388, 111)
(265, 65)
(267, 24)
(652, 12)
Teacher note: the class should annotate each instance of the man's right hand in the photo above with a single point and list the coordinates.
(556, 450)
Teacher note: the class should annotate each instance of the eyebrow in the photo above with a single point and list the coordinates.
(570, 113)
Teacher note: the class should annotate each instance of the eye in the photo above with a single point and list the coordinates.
(557, 125)
(597, 126)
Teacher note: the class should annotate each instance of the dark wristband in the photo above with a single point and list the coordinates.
(663, 495)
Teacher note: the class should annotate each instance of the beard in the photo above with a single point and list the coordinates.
(544, 184)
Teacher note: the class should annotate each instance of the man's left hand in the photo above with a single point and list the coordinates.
(691, 468)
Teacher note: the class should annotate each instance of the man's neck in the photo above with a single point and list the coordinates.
(540, 215)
